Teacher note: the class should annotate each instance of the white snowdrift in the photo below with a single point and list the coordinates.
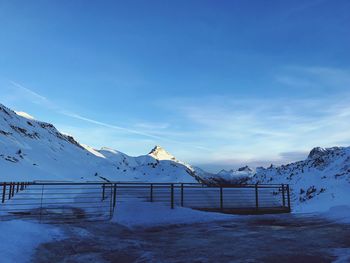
(144, 214)
(20, 238)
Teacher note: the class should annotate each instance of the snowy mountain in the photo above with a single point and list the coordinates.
(318, 183)
(233, 176)
(35, 150)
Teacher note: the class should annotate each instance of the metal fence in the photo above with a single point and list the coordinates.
(93, 201)
(257, 198)
(57, 202)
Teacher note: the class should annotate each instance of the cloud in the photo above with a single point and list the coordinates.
(143, 127)
(111, 126)
(252, 130)
(230, 131)
(31, 95)
(316, 78)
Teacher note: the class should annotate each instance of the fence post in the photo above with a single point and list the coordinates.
(13, 189)
(182, 194)
(114, 196)
(17, 187)
(256, 197)
(103, 192)
(288, 196)
(221, 198)
(10, 190)
(3, 192)
(283, 196)
(41, 203)
(151, 193)
(172, 196)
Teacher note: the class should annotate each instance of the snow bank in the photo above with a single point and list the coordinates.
(143, 214)
(20, 238)
(339, 214)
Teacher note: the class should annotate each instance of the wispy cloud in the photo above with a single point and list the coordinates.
(32, 95)
(278, 130)
(232, 130)
(159, 136)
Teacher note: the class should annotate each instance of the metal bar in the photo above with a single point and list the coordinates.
(182, 195)
(13, 189)
(41, 203)
(3, 192)
(288, 196)
(10, 190)
(17, 187)
(103, 191)
(172, 196)
(221, 198)
(111, 205)
(256, 197)
(283, 196)
(114, 196)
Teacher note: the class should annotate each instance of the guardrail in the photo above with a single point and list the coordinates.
(67, 202)
(244, 199)
(57, 202)
(11, 188)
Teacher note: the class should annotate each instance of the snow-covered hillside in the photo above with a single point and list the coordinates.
(35, 150)
(318, 183)
(233, 176)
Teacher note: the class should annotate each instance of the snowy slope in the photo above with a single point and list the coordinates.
(233, 176)
(34, 150)
(318, 183)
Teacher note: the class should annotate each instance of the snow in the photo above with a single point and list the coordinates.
(342, 254)
(135, 213)
(20, 238)
(233, 176)
(25, 115)
(161, 154)
(35, 150)
(317, 184)
(339, 214)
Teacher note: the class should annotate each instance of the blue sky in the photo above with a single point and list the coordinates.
(217, 83)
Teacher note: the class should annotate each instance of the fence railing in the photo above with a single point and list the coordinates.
(57, 202)
(239, 198)
(9, 189)
(93, 201)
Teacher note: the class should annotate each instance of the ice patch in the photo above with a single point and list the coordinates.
(20, 238)
(136, 213)
(342, 254)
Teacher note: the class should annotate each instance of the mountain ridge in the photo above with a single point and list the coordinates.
(36, 150)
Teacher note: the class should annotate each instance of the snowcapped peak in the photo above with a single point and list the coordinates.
(318, 152)
(245, 169)
(25, 115)
(160, 153)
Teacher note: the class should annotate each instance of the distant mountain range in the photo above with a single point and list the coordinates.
(34, 150)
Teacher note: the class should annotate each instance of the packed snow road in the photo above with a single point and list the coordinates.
(270, 238)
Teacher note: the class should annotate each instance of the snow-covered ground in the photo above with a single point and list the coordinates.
(20, 238)
(270, 238)
(136, 213)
